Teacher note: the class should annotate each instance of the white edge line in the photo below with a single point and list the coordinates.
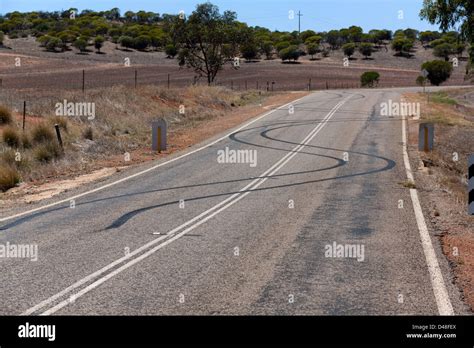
(437, 281)
(278, 164)
(149, 169)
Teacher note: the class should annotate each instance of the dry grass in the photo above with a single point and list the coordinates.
(11, 137)
(9, 177)
(5, 115)
(122, 123)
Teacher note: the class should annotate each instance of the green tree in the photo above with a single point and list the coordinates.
(306, 34)
(443, 50)
(402, 46)
(313, 49)
(289, 53)
(438, 71)
(249, 51)
(315, 39)
(282, 45)
(267, 49)
(366, 49)
(99, 42)
(126, 41)
(81, 44)
(141, 42)
(349, 49)
(449, 14)
(203, 37)
(2, 37)
(53, 44)
(333, 38)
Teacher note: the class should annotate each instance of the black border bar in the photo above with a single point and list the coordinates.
(225, 330)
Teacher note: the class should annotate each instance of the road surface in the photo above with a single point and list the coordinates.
(196, 236)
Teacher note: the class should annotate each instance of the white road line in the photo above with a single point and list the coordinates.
(67, 200)
(437, 282)
(230, 201)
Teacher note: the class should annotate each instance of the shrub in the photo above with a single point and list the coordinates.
(88, 133)
(420, 80)
(47, 152)
(42, 134)
(25, 141)
(171, 50)
(369, 79)
(11, 137)
(80, 44)
(9, 177)
(438, 71)
(5, 115)
(2, 37)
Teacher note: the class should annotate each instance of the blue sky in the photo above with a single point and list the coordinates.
(319, 15)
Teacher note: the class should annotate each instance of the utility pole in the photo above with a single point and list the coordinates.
(299, 22)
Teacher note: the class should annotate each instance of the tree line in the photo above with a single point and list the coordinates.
(207, 39)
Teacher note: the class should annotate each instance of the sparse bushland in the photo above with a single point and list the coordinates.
(205, 40)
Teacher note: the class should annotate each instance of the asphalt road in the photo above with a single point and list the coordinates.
(248, 239)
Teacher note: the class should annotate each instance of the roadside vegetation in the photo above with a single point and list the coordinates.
(121, 126)
(442, 176)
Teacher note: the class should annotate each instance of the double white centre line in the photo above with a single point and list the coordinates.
(137, 255)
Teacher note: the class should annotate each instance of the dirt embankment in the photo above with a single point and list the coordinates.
(442, 177)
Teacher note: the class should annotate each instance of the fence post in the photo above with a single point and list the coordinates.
(58, 134)
(245, 84)
(168, 81)
(136, 78)
(268, 86)
(231, 84)
(83, 81)
(327, 86)
(309, 85)
(24, 114)
(257, 85)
